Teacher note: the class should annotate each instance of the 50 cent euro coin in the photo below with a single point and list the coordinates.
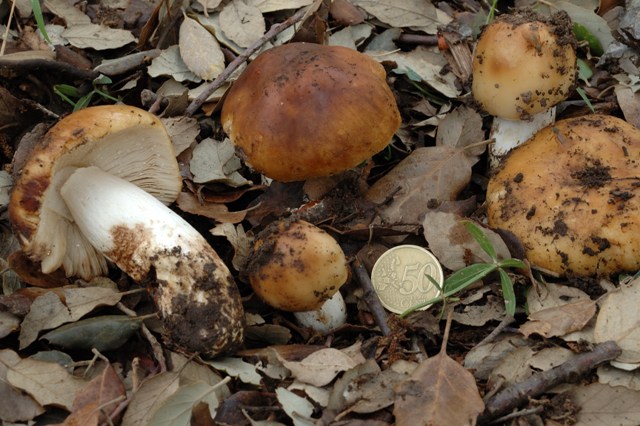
(402, 277)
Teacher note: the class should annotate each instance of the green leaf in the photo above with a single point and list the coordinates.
(584, 97)
(37, 14)
(507, 292)
(66, 89)
(584, 71)
(105, 333)
(512, 263)
(84, 101)
(102, 79)
(466, 276)
(478, 234)
(583, 34)
(410, 73)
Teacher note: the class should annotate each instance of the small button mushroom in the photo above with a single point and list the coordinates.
(523, 65)
(94, 189)
(298, 267)
(571, 196)
(305, 110)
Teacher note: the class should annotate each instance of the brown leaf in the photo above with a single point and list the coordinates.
(427, 174)
(97, 399)
(189, 203)
(560, 320)
(320, 367)
(15, 406)
(453, 245)
(439, 392)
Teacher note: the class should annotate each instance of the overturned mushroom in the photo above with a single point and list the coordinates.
(305, 110)
(523, 65)
(298, 267)
(571, 195)
(93, 190)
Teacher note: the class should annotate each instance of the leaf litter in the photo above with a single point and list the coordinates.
(433, 175)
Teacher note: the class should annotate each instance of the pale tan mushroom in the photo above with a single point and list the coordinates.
(93, 190)
(571, 195)
(298, 267)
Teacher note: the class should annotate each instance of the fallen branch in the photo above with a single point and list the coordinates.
(240, 59)
(370, 297)
(510, 398)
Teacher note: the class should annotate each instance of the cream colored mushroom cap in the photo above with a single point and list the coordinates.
(522, 66)
(296, 266)
(305, 110)
(124, 141)
(571, 194)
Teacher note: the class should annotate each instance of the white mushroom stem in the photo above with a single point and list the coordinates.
(331, 315)
(508, 134)
(191, 286)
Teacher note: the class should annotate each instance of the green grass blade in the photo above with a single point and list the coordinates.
(37, 14)
(512, 263)
(508, 292)
(478, 234)
(464, 277)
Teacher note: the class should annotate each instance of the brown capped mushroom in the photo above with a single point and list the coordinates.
(571, 195)
(305, 110)
(93, 190)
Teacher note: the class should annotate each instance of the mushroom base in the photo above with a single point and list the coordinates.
(193, 289)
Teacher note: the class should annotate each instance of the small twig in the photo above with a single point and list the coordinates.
(6, 32)
(506, 321)
(370, 297)
(511, 397)
(240, 59)
(155, 345)
(515, 415)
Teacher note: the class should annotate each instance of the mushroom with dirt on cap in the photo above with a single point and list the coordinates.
(305, 110)
(571, 195)
(297, 267)
(95, 188)
(523, 65)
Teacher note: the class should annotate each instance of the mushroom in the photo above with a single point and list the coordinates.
(298, 267)
(95, 188)
(571, 195)
(305, 110)
(523, 65)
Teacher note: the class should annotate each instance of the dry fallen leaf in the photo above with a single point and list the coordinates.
(453, 245)
(439, 392)
(401, 13)
(618, 320)
(98, 399)
(16, 406)
(149, 397)
(216, 161)
(47, 382)
(483, 359)
(560, 320)
(296, 407)
(200, 50)
(242, 23)
(170, 63)
(606, 405)
(98, 37)
(321, 367)
(426, 175)
(266, 6)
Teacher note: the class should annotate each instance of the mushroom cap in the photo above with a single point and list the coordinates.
(571, 194)
(524, 64)
(306, 110)
(296, 266)
(124, 141)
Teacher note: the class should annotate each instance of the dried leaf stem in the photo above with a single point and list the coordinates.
(508, 399)
(240, 59)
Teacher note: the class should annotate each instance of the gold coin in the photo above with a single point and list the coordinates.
(401, 277)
